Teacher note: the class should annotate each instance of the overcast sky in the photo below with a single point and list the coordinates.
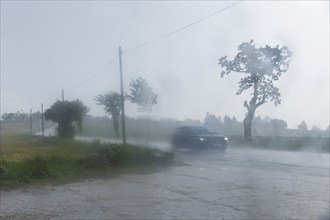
(53, 45)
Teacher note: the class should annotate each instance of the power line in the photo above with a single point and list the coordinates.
(92, 76)
(152, 41)
(85, 81)
(181, 28)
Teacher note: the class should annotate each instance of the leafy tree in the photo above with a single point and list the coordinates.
(231, 125)
(141, 94)
(212, 122)
(227, 122)
(262, 67)
(65, 113)
(11, 117)
(315, 128)
(112, 105)
(302, 126)
(279, 124)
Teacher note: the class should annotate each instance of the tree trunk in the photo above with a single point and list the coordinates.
(250, 114)
(247, 131)
(148, 130)
(248, 126)
(115, 121)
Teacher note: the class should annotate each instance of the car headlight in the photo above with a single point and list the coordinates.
(201, 139)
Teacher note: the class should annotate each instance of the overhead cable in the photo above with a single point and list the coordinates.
(181, 28)
(152, 41)
(92, 76)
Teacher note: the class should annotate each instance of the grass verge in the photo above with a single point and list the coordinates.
(29, 160)
(282, 143)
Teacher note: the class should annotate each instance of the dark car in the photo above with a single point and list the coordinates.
(198, 137)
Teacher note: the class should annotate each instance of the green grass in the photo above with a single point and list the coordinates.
(30, 160)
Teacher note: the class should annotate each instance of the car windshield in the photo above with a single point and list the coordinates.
(201, 130)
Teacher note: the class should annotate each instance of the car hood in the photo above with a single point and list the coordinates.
(210, 135)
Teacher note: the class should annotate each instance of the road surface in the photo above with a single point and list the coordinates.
(238, 184)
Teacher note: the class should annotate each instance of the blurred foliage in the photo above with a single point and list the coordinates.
(119, 155)
(302, 126)
(65, 113)
(142, 95)
(112, 105)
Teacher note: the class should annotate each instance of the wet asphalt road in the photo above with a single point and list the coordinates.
(238, 184)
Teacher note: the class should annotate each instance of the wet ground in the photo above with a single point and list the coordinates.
(238, 184)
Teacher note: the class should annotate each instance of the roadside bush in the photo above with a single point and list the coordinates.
(48, 159)
(133, 155)
(2, 172)
(36, 167)
(95, 161)
(26, 170)
(114, 155)
(118, 155)
(95, 143)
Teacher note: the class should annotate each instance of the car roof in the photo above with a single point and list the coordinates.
(192, 128)
(186, 126)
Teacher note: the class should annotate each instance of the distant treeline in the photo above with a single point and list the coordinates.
(162, 128)
(267, 133)
(102, 126)
(25, 120)
(261, 127)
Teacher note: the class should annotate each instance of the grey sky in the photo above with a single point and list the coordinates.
(49, 46)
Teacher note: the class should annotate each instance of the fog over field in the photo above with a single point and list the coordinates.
(49, 46)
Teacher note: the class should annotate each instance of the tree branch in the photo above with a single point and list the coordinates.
(246, 105)
(263, 101)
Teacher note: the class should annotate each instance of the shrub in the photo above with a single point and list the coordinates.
(94, 161)
(133, 155)
(95, 143)
(36, 167)
(26, 170)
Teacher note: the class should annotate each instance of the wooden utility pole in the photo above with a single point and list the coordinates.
(31, 120)
(62, 95)
(122, 97)
(42, 120)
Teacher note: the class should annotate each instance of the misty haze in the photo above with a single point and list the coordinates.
(164, 110)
